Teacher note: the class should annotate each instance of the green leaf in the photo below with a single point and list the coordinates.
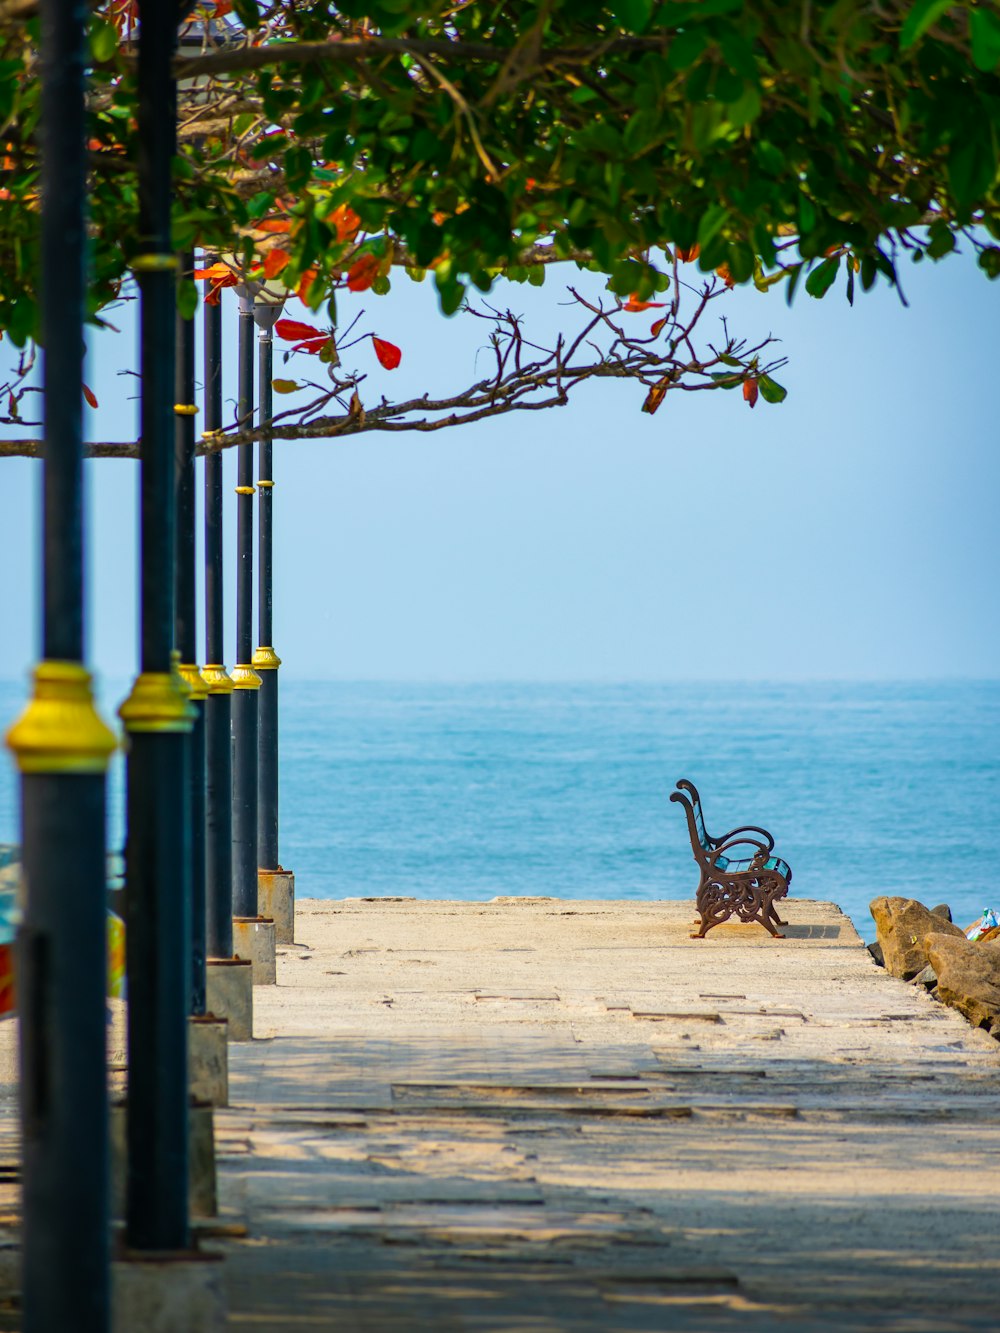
(972, 166)
(103, 40)
(285, 386)
(247, 13)
(712, 221)
(985, 28)
(820, 280)
(770, 390)
(989, 261)
(187, 299)
(923, 15)
(633, 14)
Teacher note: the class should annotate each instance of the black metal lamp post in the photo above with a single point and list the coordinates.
(62, 750)
(186, 636)
(267, 308)
(157, 714)
(246, 682)
(218, 711)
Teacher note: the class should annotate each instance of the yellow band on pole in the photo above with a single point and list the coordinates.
(185, 409)
(245, 490)
(196, 683)
(265, 485)
(245, 678)
(265, 658)
(158, 702)
(155, 264)
(60, 730)
(216, 678)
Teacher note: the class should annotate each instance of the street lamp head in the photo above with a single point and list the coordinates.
(268, 302)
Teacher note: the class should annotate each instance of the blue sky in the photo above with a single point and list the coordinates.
(849, 533)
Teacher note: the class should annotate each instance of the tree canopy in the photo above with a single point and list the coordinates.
(668, 144)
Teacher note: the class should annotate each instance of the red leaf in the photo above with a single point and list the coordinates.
(363, 273)
(657, 326)
(274, 261)
(293, 330)
(692, 252)
(388, 354)
(633, 304)
(313, 345)
(750, 390)
(89, 395)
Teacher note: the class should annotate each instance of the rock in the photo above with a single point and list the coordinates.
(902, 924)
(928, 978)
(968, 977)
(942, 909)
(876, 952)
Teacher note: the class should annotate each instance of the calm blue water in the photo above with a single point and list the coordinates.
(468, 791)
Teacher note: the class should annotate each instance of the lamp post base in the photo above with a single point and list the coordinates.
(253, 938)
(208, 1059)
(171, 1291)
(229, 994)
(276, 899)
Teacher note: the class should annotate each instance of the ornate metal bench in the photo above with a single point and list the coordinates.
(745, 887)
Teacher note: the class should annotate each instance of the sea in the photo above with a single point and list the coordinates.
(473, 791)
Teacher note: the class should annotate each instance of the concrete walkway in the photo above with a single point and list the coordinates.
(535, 1114)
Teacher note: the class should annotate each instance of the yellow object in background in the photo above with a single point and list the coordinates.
(116, 956)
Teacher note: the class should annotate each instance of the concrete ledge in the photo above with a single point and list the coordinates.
(229, 994)
(254, 938)
(208, 1059)
(167, 1292)
(276, 899)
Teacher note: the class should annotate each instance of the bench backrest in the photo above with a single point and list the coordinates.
(687, 797)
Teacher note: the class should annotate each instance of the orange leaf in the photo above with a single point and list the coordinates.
(363, 273)
(388, 354)
(89, 395)
(273, 224)
(657, 327)
(346, 222)
(692, 252)
(725, 275)
(633, 304)
(750, 390)
(274, 261)
(223, 7)
(656, 395)
(305, 282)
(219, 273)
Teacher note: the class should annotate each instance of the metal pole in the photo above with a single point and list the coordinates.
(186, 636)
(265, 659)
(62, 750)
(218, 712)
(246, 682)
(157, 714)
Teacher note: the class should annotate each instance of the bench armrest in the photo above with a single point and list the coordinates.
(762, 852)
(747, 828)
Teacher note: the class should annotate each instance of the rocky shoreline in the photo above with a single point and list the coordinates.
(923, 945)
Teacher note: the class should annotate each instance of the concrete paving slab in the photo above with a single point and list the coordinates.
(533, 1114)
